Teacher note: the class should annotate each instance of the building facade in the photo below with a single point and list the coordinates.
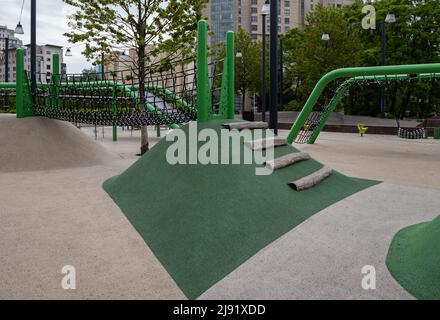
(225, 15)
(13, 43)
(44, 62)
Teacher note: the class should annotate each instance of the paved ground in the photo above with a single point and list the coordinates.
(59, 217)
(323, 257)
(54, 218)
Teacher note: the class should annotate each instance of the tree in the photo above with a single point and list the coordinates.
(108, 26)
(412, 39)
(247, 66)
(315, 57)
(90, 74)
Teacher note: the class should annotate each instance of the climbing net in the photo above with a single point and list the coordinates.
(117, 98)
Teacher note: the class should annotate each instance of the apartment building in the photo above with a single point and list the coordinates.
(225, 15)
(13, 43)
(44, 62)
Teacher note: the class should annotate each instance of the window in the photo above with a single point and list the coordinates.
(254, 27)
(48, 67)
(338, 5)
(287, 20)
(287, 4)
(48, 52)
(255, 2)
(287, 28)
(254, 19)
(287, 12)
(254, 10)
(311, 6)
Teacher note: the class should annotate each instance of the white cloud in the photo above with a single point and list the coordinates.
(51, 24)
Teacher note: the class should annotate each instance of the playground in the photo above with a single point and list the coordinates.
(141, 228)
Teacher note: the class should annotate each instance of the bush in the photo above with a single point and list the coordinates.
(293, 105)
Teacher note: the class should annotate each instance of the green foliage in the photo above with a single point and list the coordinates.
(248, 66)
(293, 105)
(118, 25)
(315, 57)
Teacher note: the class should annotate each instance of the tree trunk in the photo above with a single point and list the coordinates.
(141, 72)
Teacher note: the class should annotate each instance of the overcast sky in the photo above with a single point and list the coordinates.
(51, 24)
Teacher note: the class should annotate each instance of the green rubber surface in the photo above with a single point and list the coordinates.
(414, 259)
(203, 221)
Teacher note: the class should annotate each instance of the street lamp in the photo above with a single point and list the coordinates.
(265, 10)
(19, 28)
(68, 52)
(325, 37)
(390, 18)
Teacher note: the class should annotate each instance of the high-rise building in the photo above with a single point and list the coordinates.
(225, 15)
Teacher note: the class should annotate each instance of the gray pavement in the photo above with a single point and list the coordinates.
(64, 217)
(323, 257)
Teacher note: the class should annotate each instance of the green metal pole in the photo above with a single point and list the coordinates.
(158, 131)
(114, 102)
(230, 58)
(202, 73)
(55, 79)
(353, 72)
(19, 56)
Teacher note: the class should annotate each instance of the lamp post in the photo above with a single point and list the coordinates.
(264, 12)
(273, 121)
(390, 18)
(281, 74)
(239, 55)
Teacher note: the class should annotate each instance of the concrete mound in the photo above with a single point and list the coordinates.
(34, 144)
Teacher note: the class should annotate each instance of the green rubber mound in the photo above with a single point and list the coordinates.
(414, 259)
(203, 221)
